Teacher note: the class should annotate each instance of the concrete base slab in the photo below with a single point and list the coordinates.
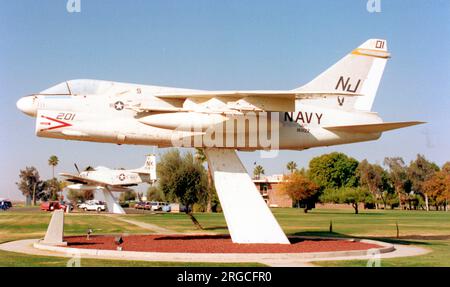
(52, 243)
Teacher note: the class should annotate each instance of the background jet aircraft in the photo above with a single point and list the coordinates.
(109, 180)
(334, 108)
(112, 179)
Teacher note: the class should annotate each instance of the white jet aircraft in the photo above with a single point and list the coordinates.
(334, 108)
(109, 180)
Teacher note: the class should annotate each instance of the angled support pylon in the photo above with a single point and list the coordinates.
(248, 217)
(111, 203)
(55, 230)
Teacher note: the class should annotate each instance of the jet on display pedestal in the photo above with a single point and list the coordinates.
(112, 180)
(332, 109)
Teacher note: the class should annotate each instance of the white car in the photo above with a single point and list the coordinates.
(95, 206)
(82, 205)
(87, 202)
(156, 206)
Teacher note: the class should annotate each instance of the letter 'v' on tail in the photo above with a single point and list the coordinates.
(358, 72)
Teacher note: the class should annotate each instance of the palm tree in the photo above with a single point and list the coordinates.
(257, 171)
(53, 161)
(291, 166)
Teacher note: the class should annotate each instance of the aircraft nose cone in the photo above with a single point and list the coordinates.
(27, 105)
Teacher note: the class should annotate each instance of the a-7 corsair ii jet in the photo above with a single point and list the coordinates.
(334, 108)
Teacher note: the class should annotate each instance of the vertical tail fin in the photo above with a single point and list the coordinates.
(358, 72)
(149, 167)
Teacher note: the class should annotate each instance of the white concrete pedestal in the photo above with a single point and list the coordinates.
(55, 230)
(248, 217)
(111, 204)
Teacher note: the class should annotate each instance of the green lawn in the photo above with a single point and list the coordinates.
(180, 222)
(32, 223)
(439, 257)
(427, 229)
(13, 259)
(317, 222)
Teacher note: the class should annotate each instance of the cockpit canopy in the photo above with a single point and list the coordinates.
(76, 87)
(95, 87)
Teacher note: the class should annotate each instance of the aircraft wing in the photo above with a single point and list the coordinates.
(269, 100)
(372, 128)
(256, 93)
(78, 179)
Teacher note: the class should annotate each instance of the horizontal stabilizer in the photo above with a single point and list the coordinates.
(372, 128)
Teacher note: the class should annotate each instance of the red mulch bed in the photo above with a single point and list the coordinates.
(211, 244)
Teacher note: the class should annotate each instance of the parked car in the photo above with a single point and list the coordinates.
(95, 206)
(124, 204)
(5, 204)
(140, 205)
(83, 205)
(156, 206)
(166, 207)
(184, 208)
(52, 205)
(68, 205)
(148, 205)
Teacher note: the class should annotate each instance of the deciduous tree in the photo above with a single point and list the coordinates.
(128, 195)
(371, 177)
(30, 184)
(80, 195)
(333, 170)
(398, 176)
(437, 187)
(349, 195)
(154, 193)
(300, 189)
(183, 179)
(201, 156)
(419, 171)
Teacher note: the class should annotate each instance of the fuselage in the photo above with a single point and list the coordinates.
(113, 118)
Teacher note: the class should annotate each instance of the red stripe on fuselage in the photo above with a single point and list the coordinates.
(62, 124)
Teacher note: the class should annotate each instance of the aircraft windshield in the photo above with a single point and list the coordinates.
(101, 168)
(77, 87)
(59, 89)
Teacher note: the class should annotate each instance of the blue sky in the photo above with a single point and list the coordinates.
(220, 45)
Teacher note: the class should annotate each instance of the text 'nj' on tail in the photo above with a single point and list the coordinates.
(358, 72)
